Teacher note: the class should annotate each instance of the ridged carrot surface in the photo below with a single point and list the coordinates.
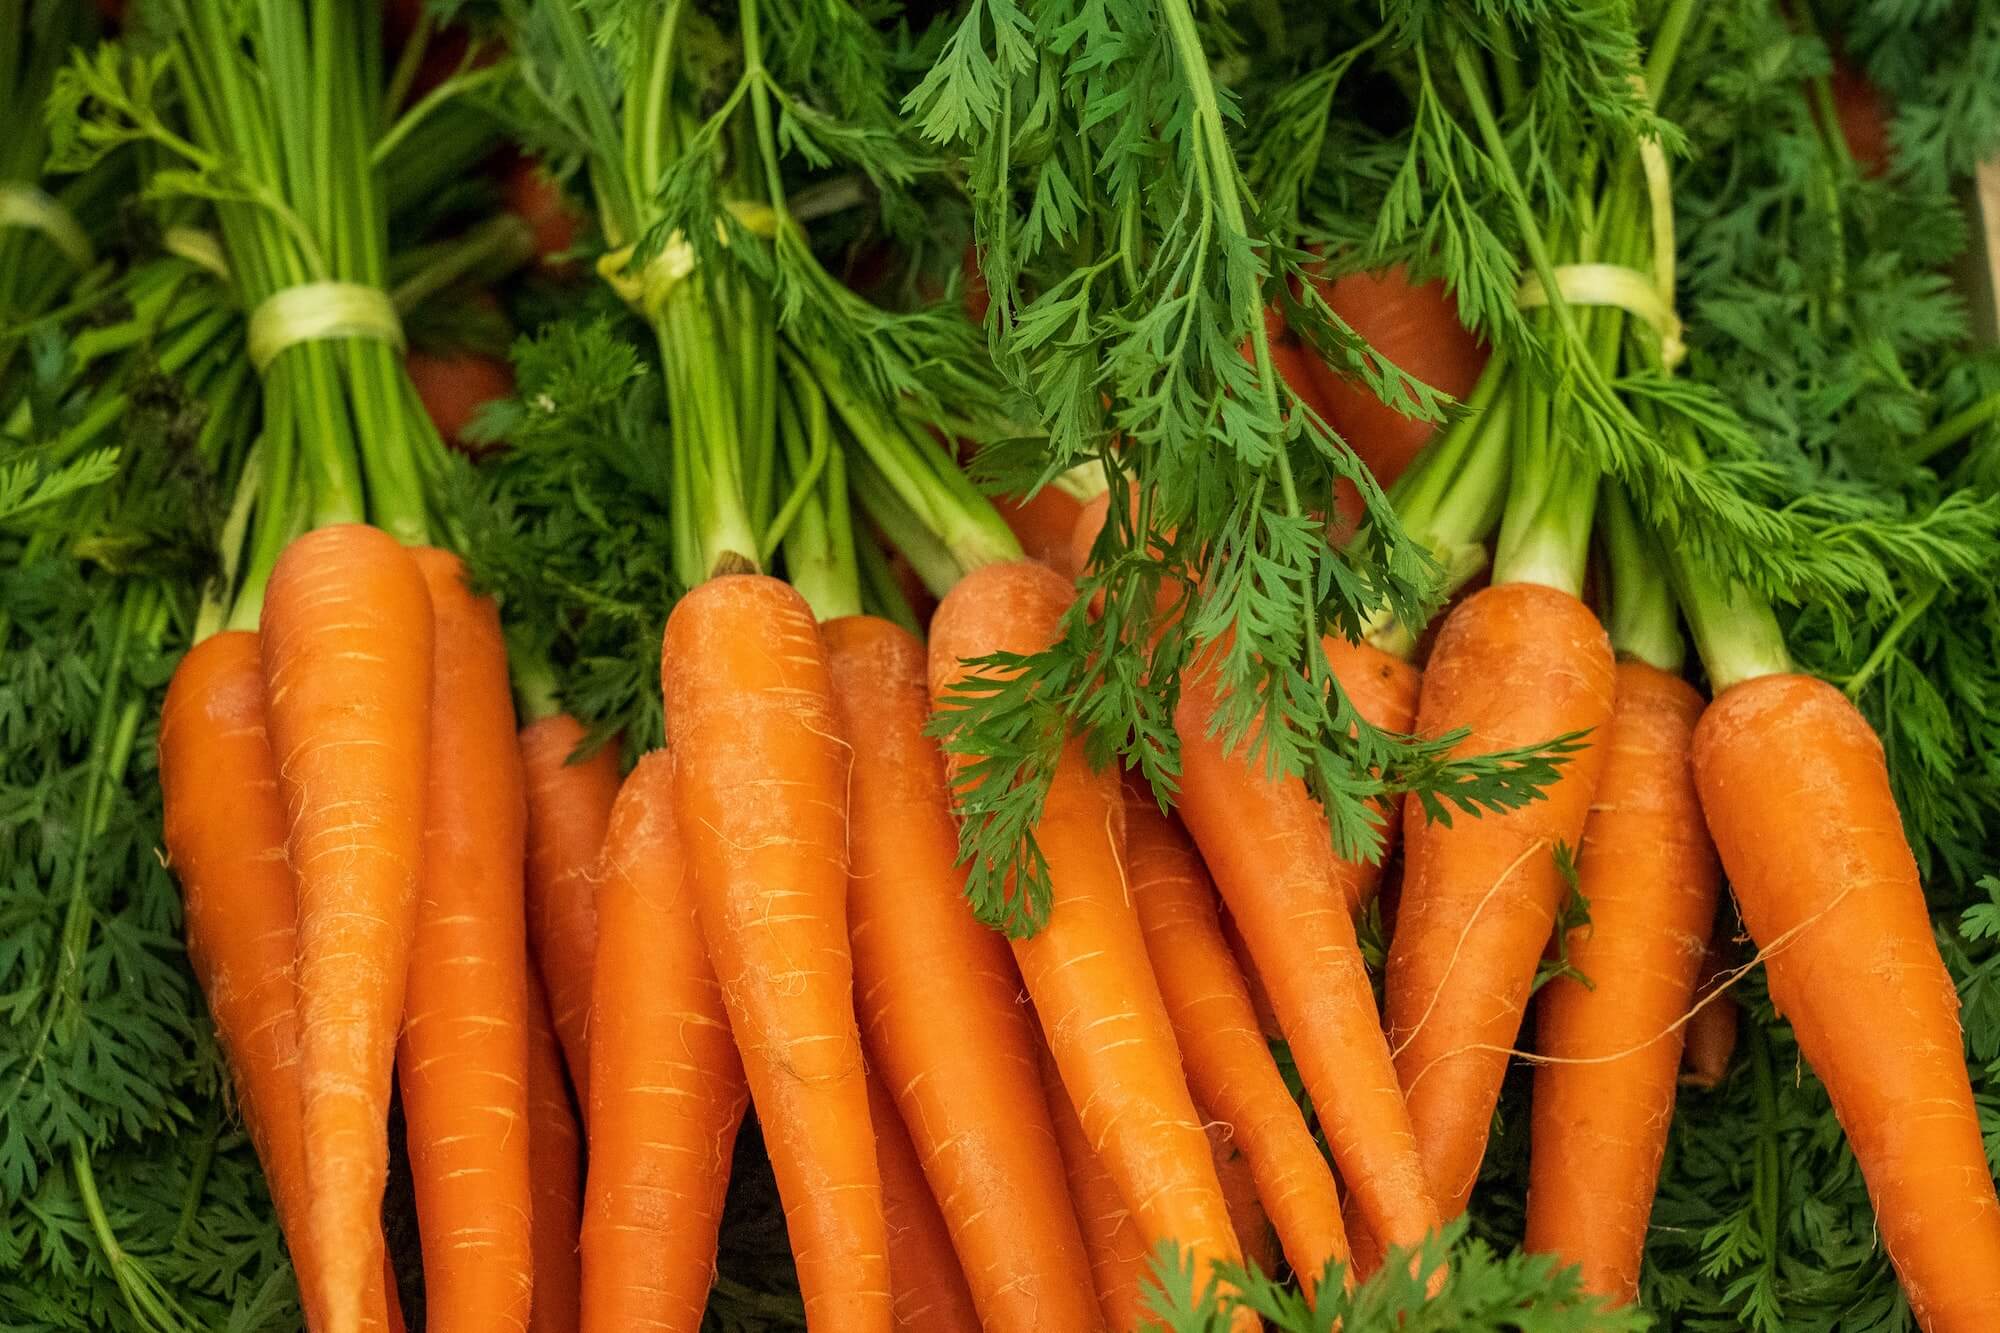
(930, 1291)
(1118, 1253)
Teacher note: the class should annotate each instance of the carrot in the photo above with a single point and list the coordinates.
(454, 386)
(1796, 793)
(924, 1277)
(1229, 1066)
(1043, 523)
(760, 794)
(1266, 843)
(1602, 1107)
(1711, 1029)
(1247, 1217)
(1118, 1257)
(463, 1061)
(555, 1155)
(528, 191)
(1260, 997)
(939, 1000)
(666, 1086)
(346, 649)
(1087, 969)
(1517, 664)
(569, 808)
(1861, 114)
(1414, 326)
(1383, 689)
(1300, 370)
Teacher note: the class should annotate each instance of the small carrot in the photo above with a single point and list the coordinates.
(346, 650)
(1517, 664)
(555, 1154)
(1087, 968)
(760, 795)
(463, 1061)
(569, 808)
(939, 1000)
(666, 1085)
(1118, 1255)
(1229, 1066)
(1604, 1101)
(1796, 793)
(1711, 1029)
(924, 1276)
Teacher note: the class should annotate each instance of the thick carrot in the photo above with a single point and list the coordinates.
(1118, 1255)
(666, 1086)
(924, 1276)
(939, 1000)
(1603, 1104)
(1229, 1065)
(760, 794)
(1266, 843)
(1711, 1029)
(1796, 792)
(569, 807)
(463, 1062)
(1087, 969)
(555, 1154)
(346, 649)
(1518, 664)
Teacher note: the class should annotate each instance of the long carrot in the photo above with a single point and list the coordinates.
(1118, 1256)
(555, 1154)
(1087, 969)
(346, 649)
(1229, 1065)
(463, 1062)
(939, 1000)
(667, 1093)
(929, 1289)
(569, 807)
(1796, 793)
(1266, 843)
(1603, 1104)
(760, 794)
(1517, 664)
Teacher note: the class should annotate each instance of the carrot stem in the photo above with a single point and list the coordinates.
(1644, 621)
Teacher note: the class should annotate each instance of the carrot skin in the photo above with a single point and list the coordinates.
(1711, 1030)
(1118, 1255)
(555, 1154)
(1266, 844)
(667, 1090)
(1043, 523)
(939, 1001)
(1517, 664)
(1384, 690)
(347, 655)
(1649, 872)
(1229, 1066)
(760, 794)
(929, 1288)
(1796, 793)
(463, 1060)
(1247, 1218)
(1087, 969)
(569, 808)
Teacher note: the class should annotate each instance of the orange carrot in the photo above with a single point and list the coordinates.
(1087, 969)
(453, 387)
(1711, 1029)
(528, 191)
(760, 795)
(1796, 793)
(1517, 664)
(939, 1001)
(924, 1276)
(1247, 1217)
(1118, 1255)
(666, 1085)
(1383, 689)
(1229, 1066)
(569, 807)
(1602, 1108)
(555, 1154)
(346, 648)
(1260, 996)
(1043, 524)
(463, 1062)
(1266, 843)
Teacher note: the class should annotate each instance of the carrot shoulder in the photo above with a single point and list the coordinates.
(464, 1057)
(1516, 664)
(346, 649)
(1796, 793)
(760, 793)
(929, 1288)
(939, 1000)
(666, 1084)
(1603, 1104)
(1087, 968)
(1229, 1065)
(569, 805)
(555, 1155)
